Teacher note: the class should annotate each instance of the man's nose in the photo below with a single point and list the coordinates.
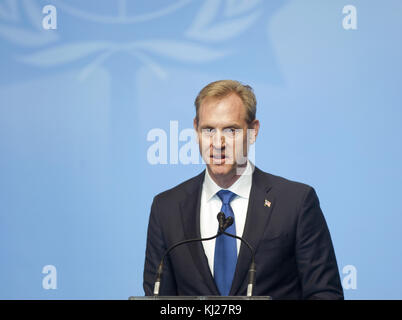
(218, 140)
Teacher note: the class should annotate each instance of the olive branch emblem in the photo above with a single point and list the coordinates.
(215, 22)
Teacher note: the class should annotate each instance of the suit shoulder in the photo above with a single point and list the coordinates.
(292, 194)
(286, 185)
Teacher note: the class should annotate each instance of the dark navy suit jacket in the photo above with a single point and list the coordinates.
(294, 257)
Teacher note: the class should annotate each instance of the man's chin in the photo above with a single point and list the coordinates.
(221, 169)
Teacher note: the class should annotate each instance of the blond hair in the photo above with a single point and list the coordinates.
(222, 88)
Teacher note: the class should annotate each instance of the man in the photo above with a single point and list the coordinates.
(281, 219)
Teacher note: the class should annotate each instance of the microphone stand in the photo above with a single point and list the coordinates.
(224, 223)
(252, 269)
(160, 268)
(222, 227)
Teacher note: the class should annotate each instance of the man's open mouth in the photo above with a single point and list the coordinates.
(218, 156)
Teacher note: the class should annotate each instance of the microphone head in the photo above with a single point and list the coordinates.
(228, 222)
(221, 219)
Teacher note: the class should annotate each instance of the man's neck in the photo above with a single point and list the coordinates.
(227, 181)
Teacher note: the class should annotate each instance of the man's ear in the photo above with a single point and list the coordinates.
(195, 125)
(254, 127)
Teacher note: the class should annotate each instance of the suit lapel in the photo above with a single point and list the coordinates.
(190, 212)
(258, 216)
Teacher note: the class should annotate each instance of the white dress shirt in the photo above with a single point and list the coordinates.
(211, 204)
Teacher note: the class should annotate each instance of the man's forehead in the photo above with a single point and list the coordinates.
(221, 118)
(230, 106)
(231, 98)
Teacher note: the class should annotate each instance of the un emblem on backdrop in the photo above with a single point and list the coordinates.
(49, 37)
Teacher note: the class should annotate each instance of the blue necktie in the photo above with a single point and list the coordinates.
(225, 249)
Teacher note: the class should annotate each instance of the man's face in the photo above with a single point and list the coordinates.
(222, 135)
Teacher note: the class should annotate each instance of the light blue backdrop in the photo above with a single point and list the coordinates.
(77, 104)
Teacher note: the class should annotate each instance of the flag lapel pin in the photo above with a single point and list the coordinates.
(267, 203)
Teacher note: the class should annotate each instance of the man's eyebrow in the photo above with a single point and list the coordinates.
(234, 125)
(205, 126)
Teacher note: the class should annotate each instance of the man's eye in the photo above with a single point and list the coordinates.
(229, 130)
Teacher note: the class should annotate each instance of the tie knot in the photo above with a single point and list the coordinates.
(226, 196)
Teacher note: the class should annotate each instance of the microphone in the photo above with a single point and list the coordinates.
(251, 271)
(221, 219)
(223, 225)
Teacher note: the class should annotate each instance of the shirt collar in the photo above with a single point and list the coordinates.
(241, 187)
